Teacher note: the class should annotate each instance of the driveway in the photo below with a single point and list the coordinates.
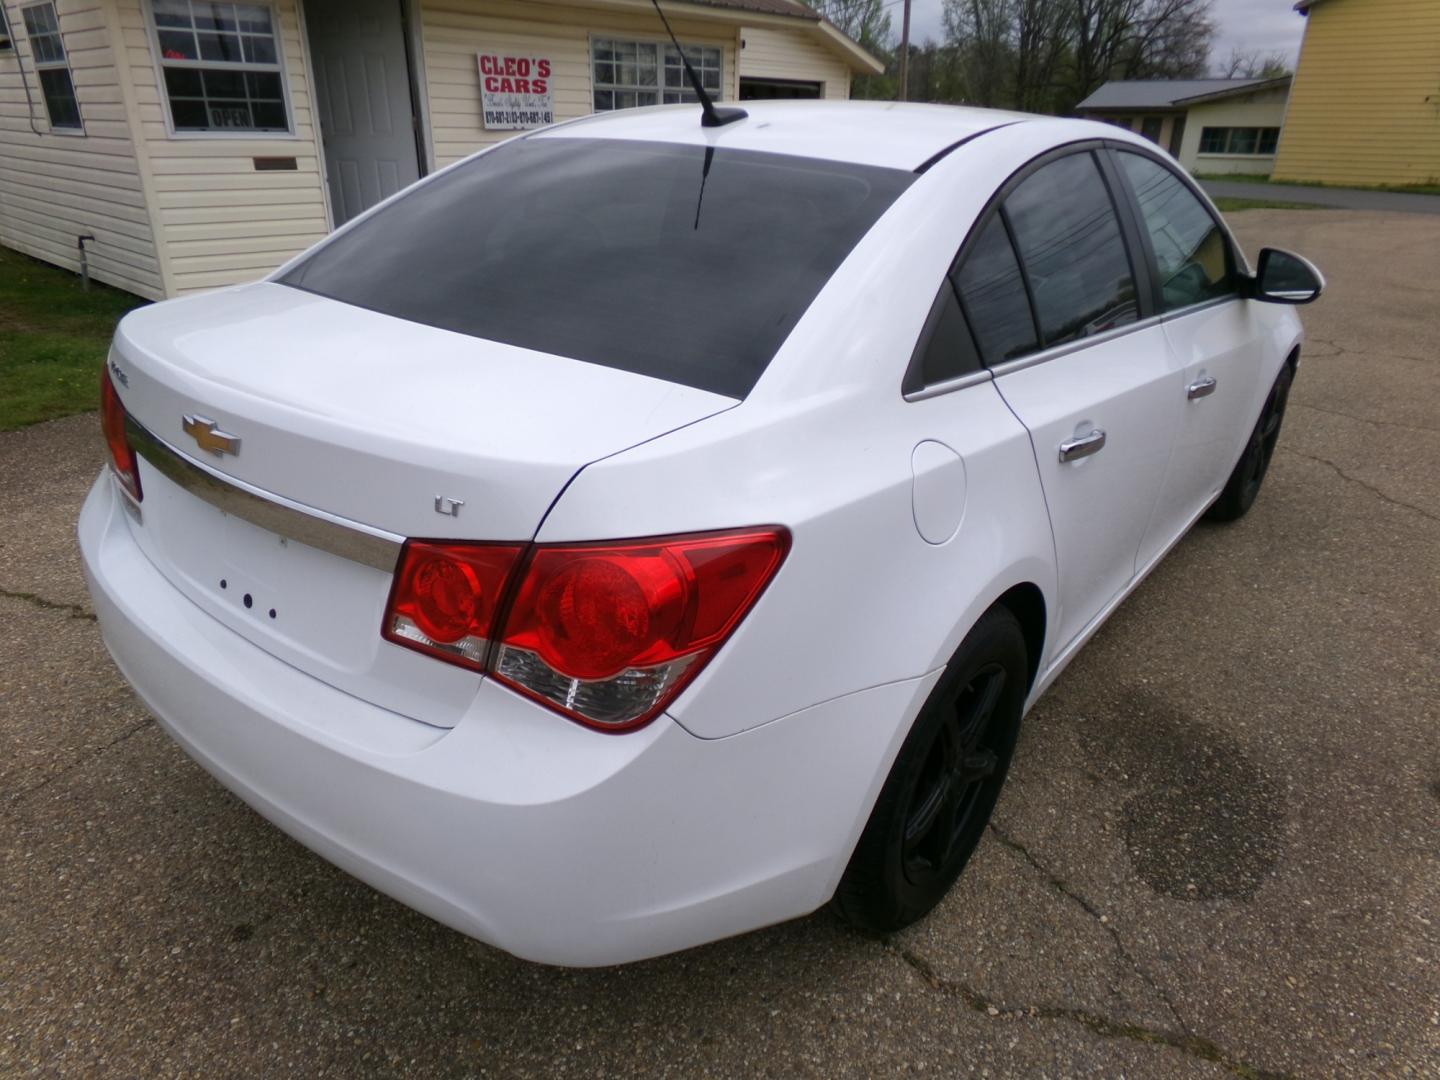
(1219, 854)
(1405, 202)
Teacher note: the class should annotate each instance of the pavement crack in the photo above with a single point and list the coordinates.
(1065, 889)
(1346, 350)
(75, 611)
(1365, 419)
(1363, 483)
(33, 789)
(1339, 349)
(1194, 1045)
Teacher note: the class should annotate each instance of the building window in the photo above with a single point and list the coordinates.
(1151, 127)
(1251, 141)
(631, 73)
(221, 65)
(47, 52)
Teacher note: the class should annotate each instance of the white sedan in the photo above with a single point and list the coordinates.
(640, 532)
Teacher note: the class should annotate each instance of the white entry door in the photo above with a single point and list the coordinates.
(362, 87)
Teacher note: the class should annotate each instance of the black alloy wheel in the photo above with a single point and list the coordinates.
(937, 800)
(942, 805)
(1243, 486)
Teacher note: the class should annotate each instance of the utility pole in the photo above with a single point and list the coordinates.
(905, 53)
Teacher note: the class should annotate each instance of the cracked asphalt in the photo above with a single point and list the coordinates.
(1219, 853)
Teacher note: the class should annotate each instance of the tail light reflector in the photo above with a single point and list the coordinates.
(605, 634)
(112, 423)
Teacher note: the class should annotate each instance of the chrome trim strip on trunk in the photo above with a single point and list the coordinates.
(275, 513)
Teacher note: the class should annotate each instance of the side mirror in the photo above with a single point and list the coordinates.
(1286, 278)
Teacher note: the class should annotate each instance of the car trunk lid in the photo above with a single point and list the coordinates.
(370, 427)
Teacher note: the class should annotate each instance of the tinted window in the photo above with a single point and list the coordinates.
(1191, 252)
(993, 293)
(687, 264)
(1069, 239)
(945, 349)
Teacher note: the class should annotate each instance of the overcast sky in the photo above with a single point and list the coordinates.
(1263, 26)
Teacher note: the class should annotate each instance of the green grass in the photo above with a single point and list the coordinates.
(1403, 189)
(1227, 204)
(53, 340)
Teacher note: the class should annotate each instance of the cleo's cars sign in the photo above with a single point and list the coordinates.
(516, 92)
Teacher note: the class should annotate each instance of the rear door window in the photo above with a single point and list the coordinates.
(686, 263)
(1074, 254)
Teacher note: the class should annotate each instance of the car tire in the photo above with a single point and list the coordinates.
(1240, 491)
(939, 795)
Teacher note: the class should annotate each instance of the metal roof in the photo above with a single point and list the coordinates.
(1163, 93)
(767, 7)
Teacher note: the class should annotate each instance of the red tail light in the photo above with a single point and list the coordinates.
(446, 598)
(112, 423)
(606, 634)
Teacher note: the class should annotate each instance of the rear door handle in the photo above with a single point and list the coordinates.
(1200, 388)
(1084, 446)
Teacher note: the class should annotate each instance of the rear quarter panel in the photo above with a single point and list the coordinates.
(824, 446)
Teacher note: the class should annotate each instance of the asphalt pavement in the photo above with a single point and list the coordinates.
(1219, 853)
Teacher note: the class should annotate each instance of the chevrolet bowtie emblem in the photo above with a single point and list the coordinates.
(209, 437)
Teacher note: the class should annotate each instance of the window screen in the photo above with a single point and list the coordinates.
(630, 73)
(1250, 141)
(993, 294)
(1075, 257)
(47, 52)
(685, 263)
(1191, 252)
(221, 64)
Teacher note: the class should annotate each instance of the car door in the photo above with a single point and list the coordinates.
(1213, 333)
(1060, 311)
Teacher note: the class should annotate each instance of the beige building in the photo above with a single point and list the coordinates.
(1210, 125)
(200, 144)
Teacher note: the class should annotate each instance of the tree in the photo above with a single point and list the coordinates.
(982, 31)
(1046, 55)
(1254, 65)
(866, 21)
(1040, 46)
(1138, 39)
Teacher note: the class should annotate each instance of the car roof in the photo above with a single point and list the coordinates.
(889, 134)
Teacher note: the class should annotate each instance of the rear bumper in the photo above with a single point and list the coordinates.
(555, 843)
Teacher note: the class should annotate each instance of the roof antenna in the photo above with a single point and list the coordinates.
(712, 117)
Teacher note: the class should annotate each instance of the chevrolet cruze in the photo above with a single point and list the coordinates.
(643, 532)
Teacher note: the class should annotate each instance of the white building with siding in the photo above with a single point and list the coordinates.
(1209, 125)
(202, 144)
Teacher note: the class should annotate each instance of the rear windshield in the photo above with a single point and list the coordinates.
(681, 262)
